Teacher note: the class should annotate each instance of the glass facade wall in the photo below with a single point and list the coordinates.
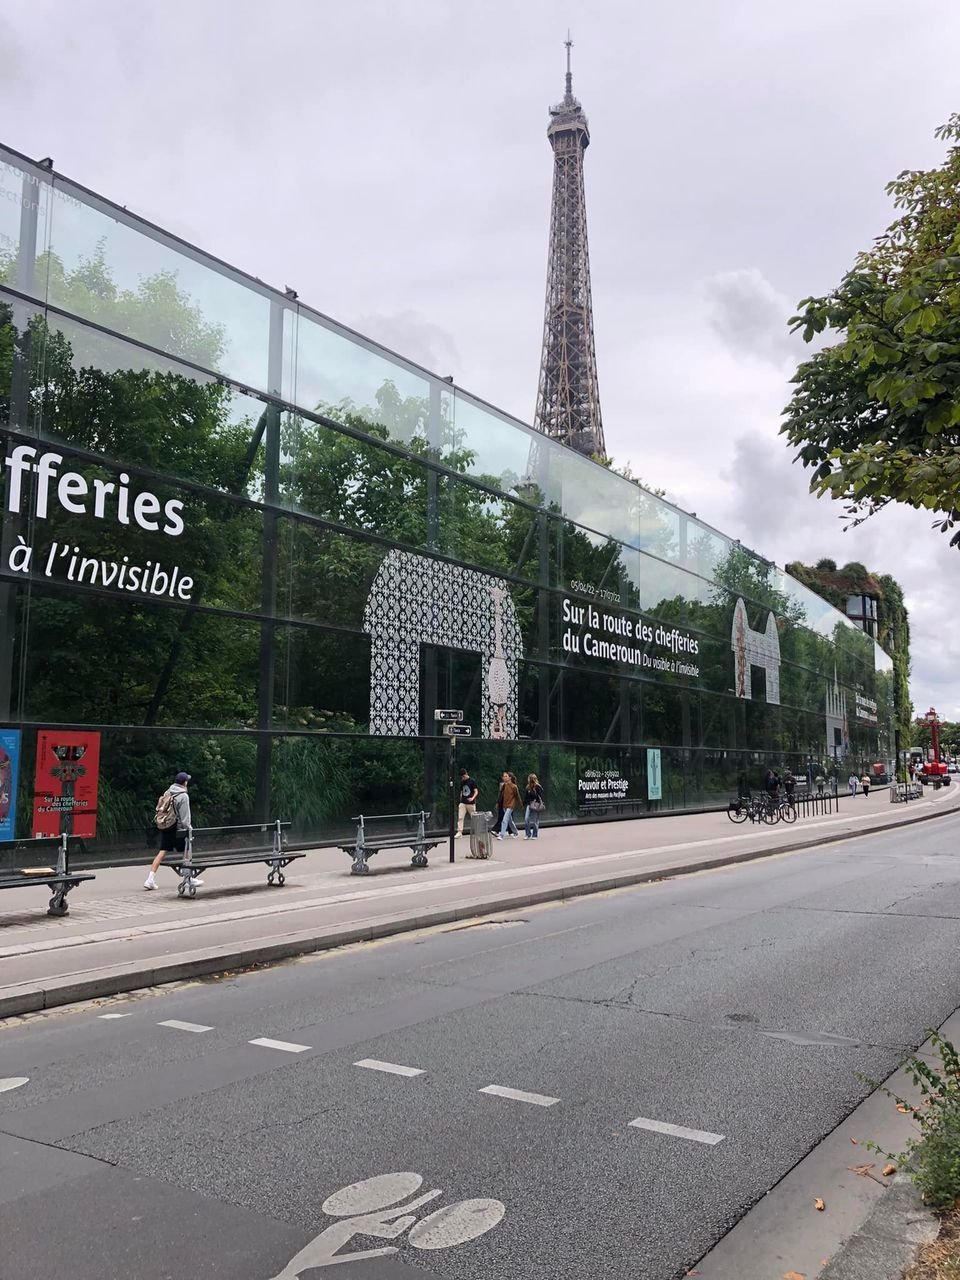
(242, 540)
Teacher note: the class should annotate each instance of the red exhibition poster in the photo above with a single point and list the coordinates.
(65, 783)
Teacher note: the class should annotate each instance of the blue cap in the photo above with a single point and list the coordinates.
(182, 778)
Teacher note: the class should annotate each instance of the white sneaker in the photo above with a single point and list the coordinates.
(150, 882)
(499, 836)
(457, 835)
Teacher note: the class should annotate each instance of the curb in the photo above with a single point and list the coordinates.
(99, 983)
(890, 1238)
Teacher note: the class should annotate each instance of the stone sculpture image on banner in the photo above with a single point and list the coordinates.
(755, 649)
(415, 600)
(837, 728)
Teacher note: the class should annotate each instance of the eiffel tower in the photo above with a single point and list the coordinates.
(568, 401)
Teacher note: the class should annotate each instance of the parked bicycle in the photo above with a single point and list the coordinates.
(762, 808)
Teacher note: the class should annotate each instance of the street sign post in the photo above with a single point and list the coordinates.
(450, 717)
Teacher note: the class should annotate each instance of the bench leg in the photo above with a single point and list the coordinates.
(361, 863)
(186, 887)
(419, 858)
(276, 875)
(58, 903)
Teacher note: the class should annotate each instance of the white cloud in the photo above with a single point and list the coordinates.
(749, 315)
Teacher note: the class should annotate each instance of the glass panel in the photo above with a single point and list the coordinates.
(134, 663)
(352, 482)
(718, 720)
(475, 527)
(323, 681)
(599, 499)
(707, 552)
(658, 528)
(595, 566)
(343, 380)
(592, 707)
(324, 575)
(495, 450)
(25, 201)
(105, 395)
(101, 268)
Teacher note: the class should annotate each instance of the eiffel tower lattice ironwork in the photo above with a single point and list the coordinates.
(568, 400)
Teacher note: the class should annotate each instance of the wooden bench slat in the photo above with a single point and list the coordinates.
(10, 880)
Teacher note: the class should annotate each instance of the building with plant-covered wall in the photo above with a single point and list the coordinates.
(874, 601)
(241, 540)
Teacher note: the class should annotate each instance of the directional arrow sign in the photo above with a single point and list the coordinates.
(440, 714)
(458, 730)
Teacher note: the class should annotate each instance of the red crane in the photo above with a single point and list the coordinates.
(934, 768)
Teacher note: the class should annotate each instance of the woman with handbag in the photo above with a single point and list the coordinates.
(510, 798)
(533, 799)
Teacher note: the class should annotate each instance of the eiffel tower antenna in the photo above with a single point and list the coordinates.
(568, 401)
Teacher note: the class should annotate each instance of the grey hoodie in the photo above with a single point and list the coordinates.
(181, 804)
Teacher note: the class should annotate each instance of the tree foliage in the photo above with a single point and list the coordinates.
(876, 415)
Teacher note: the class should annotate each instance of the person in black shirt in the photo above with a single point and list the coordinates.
(468, 799)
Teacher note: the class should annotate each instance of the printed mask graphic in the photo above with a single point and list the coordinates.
(415, 600)
(755, 649)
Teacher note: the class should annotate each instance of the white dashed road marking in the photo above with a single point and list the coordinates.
(108, 1017)
(518, 1095)
(285, 1045)
(176, 1025)
(677, 1131)
(392, 1068)
(12, 1082)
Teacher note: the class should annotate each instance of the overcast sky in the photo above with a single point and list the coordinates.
(389, 160)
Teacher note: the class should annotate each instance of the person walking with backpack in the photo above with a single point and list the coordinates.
(533, 799)
(173, 822)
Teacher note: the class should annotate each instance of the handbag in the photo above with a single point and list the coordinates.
(537, 806)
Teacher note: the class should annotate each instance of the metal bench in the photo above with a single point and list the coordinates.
(60, 879)
(191, 864)
(363, 848)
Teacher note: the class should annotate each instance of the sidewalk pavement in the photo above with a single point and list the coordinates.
(118, 937)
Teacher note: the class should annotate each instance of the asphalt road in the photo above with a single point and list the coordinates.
(155, 1139)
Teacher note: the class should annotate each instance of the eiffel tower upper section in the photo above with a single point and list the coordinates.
(568, 400)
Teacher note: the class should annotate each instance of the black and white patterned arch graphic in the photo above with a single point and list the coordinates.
(415, 600)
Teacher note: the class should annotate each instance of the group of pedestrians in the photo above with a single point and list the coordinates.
(774, 783)
(853, 782)
(509, 799)
(173, 821)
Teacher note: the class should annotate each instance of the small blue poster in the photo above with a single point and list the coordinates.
(9, 771)
(653, 774)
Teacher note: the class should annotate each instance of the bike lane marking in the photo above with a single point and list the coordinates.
(392, 1068)
(286, 1045)
(520, 1095)
(676, 1131)
(176, 1025)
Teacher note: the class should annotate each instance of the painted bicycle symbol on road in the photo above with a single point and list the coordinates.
(373, 1208)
